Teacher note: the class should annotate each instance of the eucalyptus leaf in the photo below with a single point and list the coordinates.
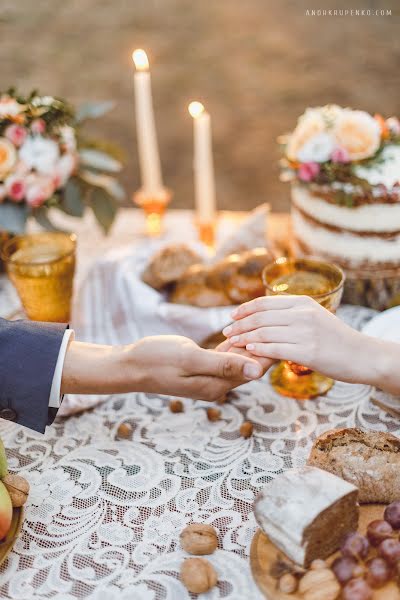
(93, 110)
(99, 160)
(72, 202)
(13, 217)
(103, 207)
(41, 216)
(108, 183)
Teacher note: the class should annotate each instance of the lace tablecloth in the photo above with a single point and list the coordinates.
(104, 514)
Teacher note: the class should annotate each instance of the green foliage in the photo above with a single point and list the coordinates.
(13, 217)
(104, 207)
(71, 201)
(93, 110)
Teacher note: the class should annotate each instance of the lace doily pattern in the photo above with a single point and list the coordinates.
(104, 514)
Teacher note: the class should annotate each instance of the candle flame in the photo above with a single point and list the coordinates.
(195, 109)
(140, 59)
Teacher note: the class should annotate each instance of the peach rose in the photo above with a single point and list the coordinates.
(358, 133)
(8, 156)
(40, 189)
(308, 126)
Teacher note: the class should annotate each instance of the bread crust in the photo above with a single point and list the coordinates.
(368, 459)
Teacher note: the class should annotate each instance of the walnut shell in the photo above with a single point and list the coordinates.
(124, 430)
(246, 429)
(198, 575)
(319, 584)
(176, 406)
(213, 414)
(199, 538)
(17, 487)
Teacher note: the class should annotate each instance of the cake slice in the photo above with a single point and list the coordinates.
(307, 512)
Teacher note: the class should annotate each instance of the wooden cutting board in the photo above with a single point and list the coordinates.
(263, 554)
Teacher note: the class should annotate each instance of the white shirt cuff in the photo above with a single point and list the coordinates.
(55, 392)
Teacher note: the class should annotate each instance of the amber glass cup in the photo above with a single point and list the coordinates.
(41, 267)
(306, 277)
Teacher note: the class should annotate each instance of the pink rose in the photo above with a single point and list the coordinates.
(16, 134)
(308, 171)
(38, 126)
(39, 190)
(340, 155)
(15, 188)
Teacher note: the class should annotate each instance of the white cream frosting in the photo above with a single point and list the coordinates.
(351, 247)
(292, 501)
(386, 171)
(367, 217)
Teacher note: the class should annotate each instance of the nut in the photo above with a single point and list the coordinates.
(124, 430)
(319, 584)
(287, 584)
(213, 414)
(318, 563)
(198, 575)
(176, 406)
(246, 429)
(199, 538)
(17, 487)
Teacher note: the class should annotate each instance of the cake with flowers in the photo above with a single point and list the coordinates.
(344, 166)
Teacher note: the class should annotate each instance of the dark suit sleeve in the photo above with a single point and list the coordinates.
(28, 357)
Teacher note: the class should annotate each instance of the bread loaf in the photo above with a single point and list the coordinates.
(193, 288)
(246, 283)
(307, 513)
(169, 264)
(368, 459)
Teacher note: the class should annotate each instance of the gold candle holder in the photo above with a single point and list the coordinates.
(41, 267)
(206, 233)
(154, 207)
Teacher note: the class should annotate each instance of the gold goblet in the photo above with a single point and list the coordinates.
(306, 277)
(154, 207)
(41, 266)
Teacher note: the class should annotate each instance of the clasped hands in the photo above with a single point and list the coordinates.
(264, 330)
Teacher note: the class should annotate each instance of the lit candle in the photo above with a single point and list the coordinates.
(149, 158)
(203, 164)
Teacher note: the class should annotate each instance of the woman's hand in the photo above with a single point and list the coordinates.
(170, 365)
(299, 329)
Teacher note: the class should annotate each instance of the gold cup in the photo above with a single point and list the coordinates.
(307, 277)
(41, 267)
(154, 208)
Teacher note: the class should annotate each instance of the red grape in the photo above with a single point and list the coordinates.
(343, 567)
(379, 572)
(378, 531)
(355, 546)
(390, 550)
(392, 514)
(357, 589)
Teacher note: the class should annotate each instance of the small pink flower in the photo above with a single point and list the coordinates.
(39, 190)
(15, 188)
(308, 171)
(38, 126)
(16, 134)
(340, 155)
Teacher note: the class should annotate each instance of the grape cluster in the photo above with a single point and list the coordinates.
(358, 572)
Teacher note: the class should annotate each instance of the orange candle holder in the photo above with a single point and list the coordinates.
(154, 208)
(206, 233)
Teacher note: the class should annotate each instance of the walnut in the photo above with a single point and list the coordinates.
(319, 584)
(288, 584)
(18, 489)
(246, 429)
(199, 538)
(176, 406)
(198, 575)
(213, 414)
(124, 430)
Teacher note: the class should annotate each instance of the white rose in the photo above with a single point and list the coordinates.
(358, 133)
(317, 149)
(64, 168)
(309, 125)
(68, 137)
(40, 153)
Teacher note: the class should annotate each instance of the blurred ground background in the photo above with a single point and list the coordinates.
(256, 64)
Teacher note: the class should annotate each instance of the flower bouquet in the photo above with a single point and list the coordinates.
(344, 167)
(45, 161)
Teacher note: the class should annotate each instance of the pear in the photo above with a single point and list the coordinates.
(3, 460)
(6, 511)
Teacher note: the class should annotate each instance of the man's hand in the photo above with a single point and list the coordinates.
(170, 365)
(264, 362)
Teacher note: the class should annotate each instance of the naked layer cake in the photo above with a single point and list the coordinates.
(344, 166)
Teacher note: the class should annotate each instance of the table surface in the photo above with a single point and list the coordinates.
(104, 515)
